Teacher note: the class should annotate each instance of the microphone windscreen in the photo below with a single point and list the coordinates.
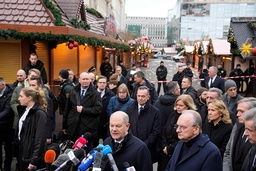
(97, 160)
(68, 150)
(79, 153)
(80, 142)
(60, 160)
(49, 156)
(87, 135)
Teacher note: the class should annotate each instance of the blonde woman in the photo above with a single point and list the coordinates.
(169, 135)
(219, 124)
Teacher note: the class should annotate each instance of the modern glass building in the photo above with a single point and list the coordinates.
(198, 19)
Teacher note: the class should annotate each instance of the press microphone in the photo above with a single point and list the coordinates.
(81, 141)
(74, 159)
(97, 161)
(49, 158)
(128, 167)
(61, 159)
(86, 162)
(108, 151)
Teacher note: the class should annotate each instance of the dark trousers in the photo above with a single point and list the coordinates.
(6, 139)
(159, 86)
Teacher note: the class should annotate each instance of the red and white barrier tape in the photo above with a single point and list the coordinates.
(224, 78)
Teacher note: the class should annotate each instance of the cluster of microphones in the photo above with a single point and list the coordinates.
(76, 157)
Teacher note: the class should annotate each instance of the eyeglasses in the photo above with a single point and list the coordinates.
(176, 126)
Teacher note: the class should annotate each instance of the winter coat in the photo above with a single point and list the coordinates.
(161, 73)
(77, 124)
(40, 66)
(64, 93)
(133, 151)
(115, 104)
(221, 72)
(192, 92)
(165, 103)
(188, 72)
(218, 83)
(104, 118)
(15, 103)
(33, 135)
(178, 77)
(6, 113)
(218, 134)
(232, 105)
(203, 155)
(146, 125)
(106, 69)
(228, 158)
(202, 75)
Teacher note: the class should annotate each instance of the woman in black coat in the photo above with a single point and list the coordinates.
(31, 129)
(169, 135)
(219, 126)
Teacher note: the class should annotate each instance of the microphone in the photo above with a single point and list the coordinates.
(86, 162)
(74, 159)
(108, 151)
(49, 158)
(81, 141)
(97, 161)
(61, 159)
(128, 167)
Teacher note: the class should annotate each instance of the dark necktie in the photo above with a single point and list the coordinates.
(210, 82)
(117, 146)
(141, 108)
(82, 94)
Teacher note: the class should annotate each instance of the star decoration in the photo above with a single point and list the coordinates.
(246, 49)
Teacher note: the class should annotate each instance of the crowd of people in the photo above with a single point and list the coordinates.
(211, 128)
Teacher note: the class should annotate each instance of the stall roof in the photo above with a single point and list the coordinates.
(189, 49)
(170, 50)
(221, 47)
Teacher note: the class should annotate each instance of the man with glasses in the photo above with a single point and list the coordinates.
(230, 98)
(195, 151)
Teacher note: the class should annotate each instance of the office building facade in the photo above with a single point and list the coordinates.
(152, 27)
(201, 19)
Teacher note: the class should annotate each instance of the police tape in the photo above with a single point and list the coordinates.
(201, 79)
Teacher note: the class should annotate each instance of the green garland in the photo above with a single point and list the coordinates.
(94, 12)
(56, 13)
(55, 39)
(251, 25)
(79, 24)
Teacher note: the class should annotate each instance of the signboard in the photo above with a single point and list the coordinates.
(111, 26)
(134, 29)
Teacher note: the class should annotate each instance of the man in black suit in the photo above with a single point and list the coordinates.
(213, 80)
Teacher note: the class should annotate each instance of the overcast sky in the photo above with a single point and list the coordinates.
(148, 8)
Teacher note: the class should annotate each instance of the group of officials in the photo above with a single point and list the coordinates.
(212, 128)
